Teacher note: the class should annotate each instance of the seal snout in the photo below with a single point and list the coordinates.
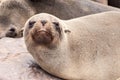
(42, 26)
(43, 22)
(41, 32)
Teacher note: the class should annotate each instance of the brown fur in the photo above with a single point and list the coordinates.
(16, 12)
(89, 50)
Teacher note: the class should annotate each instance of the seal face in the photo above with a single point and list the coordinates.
(44, 31)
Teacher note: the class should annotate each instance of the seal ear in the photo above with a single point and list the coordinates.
(67, 31)
(21, 32)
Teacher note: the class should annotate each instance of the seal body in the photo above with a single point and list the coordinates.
(86, 48)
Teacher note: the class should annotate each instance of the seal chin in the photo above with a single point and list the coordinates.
(42, 37)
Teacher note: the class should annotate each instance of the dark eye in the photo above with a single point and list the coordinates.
(31, 23)
(57, 26)
(56, 23)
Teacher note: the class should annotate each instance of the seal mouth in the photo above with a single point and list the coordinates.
(43, 31)
(42, 36)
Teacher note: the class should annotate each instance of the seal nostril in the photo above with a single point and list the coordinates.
(12, 30)
(43, 22)
(11, 34)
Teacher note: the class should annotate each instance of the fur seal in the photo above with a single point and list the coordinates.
(16, 12)
(86, 48)
(13, 16)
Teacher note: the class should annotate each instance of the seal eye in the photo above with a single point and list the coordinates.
(31, 23)
(57, 27)
(56, 24)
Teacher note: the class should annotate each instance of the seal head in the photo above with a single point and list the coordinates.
(44, 31)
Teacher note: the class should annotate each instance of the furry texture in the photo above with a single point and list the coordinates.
(89, 48)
